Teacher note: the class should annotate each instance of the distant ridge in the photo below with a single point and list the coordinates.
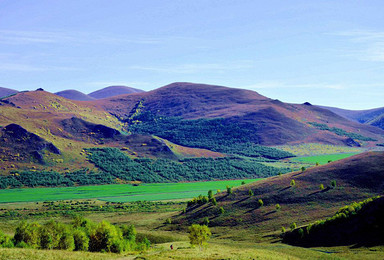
(373, 116)
(74, 95)
(113, 91)
(7, 91)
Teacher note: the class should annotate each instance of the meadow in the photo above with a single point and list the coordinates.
(322, 159)
(119, 192)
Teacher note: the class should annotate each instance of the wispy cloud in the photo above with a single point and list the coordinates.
(282, 85)
(368, 45)
(56, 37)
(191, 68)
(19, 67)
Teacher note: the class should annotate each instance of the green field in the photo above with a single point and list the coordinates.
(118, 192)
(322, 159)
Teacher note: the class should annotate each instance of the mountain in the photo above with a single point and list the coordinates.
(355, 178)
(269, 121)
(74, 95)
(113, 91)
(374, 117)
(6, 92)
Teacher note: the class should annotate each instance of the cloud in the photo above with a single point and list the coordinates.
(282, 85)
(62, 37)
(18, 67)
(191, 68)
(368, 45)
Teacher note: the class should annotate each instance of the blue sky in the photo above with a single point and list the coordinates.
(324, 52)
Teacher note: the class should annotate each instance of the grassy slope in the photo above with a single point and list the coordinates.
(357, 177)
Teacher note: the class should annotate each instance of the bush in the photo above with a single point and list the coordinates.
(293, 183)
(105, 238)
(81, 240)
(199, 235)
(278, 207)
(5, 241)
(260, 203)
(333, 183)
(229, 190)
(293, 226)
(28, 234)
(250, 193)
(321, 187)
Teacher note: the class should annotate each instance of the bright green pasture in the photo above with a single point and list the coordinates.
(322, 159)
(118, 192)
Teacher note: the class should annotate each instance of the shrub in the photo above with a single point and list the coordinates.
(214, 202)
(206, 221)
(81, 240)
(168, 221)
(199, 235)
(105, 237)
(333, 183)
(5, 241)
(293, 226)
(250, 193)
(210, 194)
(28, 233)
(283, 230)
(321, 187)
(229, 190)
(293, 183)
(260, 203)
(277, 206)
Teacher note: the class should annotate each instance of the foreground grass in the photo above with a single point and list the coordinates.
(215, 250)
(118, 192)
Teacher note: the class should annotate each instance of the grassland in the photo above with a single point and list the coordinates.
(118, 192)
(310, 149)
(323, 158)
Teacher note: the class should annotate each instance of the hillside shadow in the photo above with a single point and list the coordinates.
(269, 213)
(320, 191)
(237, 202)
(286, 188)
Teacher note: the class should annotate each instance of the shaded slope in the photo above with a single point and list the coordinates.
(113, 91)
(6, 92)
(18, 143)
(74, 95)
(276, 122)
(359, 224)
(358, 177)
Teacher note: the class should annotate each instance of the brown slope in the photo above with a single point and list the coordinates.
(74, 95)
(113, 91)
(357, 178)
(277, 122)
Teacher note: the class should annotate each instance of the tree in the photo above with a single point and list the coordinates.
(278, 207)
(229, 190)
(283, 230)
(293, 226)
(321, 187)
(293, 183)
(333, 183)
(260, 203)
(210, 194)
(303, 169)
(214, 202)
(250, 193)
(221, 210)
(199, 235)
(81, 240)
(105, 237)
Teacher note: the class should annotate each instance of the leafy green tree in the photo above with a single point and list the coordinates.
(5, 241)
(321, 186)
(105, 237)
(210, 194)
(293, 183)
(214, 202)
(199, 235)
(283, 230)
(28, 233)
(229, 190)
(81, 240)
(303, 169)
(250, 193)
(278, 207)
(293, 226)
(260, 203)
